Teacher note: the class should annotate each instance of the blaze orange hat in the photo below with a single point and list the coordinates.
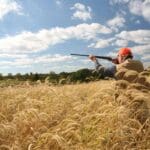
(125, 51)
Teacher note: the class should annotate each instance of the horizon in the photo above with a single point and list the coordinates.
(38, 37)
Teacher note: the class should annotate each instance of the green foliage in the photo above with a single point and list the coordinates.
(10, 76)
(18, 76)
(53, 77)
(62, 81)
(63, 75)
(82, 75)
(1, 76)
(35, 77)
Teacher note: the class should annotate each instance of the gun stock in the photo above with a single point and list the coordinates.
(100, 57)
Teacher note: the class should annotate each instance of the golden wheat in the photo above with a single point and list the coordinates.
(93, 116)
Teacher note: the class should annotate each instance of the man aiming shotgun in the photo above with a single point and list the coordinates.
(124, 60)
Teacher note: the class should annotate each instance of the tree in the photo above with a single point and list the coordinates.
(63, 75)
(80, 75)
(1, 76)
(10, 76)
(53, 77)
(18, 76)
(35, 77)
(26, 76)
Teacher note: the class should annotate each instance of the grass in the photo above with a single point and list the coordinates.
(100, 115)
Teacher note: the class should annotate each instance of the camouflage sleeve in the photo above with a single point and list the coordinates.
(99, 68)
(105, 71)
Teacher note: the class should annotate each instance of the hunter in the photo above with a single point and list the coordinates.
(124, 60)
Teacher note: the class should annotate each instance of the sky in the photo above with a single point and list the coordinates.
(39, 35)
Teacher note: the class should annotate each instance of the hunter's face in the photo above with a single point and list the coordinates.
(120, 59)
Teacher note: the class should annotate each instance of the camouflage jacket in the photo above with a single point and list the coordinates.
(129, 64)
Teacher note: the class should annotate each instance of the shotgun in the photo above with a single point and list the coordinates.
(100, 57)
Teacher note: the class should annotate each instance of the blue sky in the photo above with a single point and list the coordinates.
(38, 36)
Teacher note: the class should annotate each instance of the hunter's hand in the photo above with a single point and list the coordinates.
(92, 57)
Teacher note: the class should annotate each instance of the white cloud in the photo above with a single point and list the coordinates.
(5, 55)
(58, 2)
(7, 6)
(112, 54)
(137, 36)
(112, 2)
(141, 8)
(53, 58)
(28, 42)
(82, 12)
(136, 7)
(141, 49)
(101, 43)
(146, 10)
(116, 22)
(122, 43)
(146, 57)
(27, 61)
(137, 22)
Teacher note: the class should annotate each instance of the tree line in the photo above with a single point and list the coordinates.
(82, 75)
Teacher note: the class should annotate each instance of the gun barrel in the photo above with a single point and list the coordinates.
(104, 57)
(79, 55)
(100, 57)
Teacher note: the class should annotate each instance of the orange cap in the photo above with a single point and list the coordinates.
(125, 51)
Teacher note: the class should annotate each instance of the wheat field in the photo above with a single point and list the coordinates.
(102, 115)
